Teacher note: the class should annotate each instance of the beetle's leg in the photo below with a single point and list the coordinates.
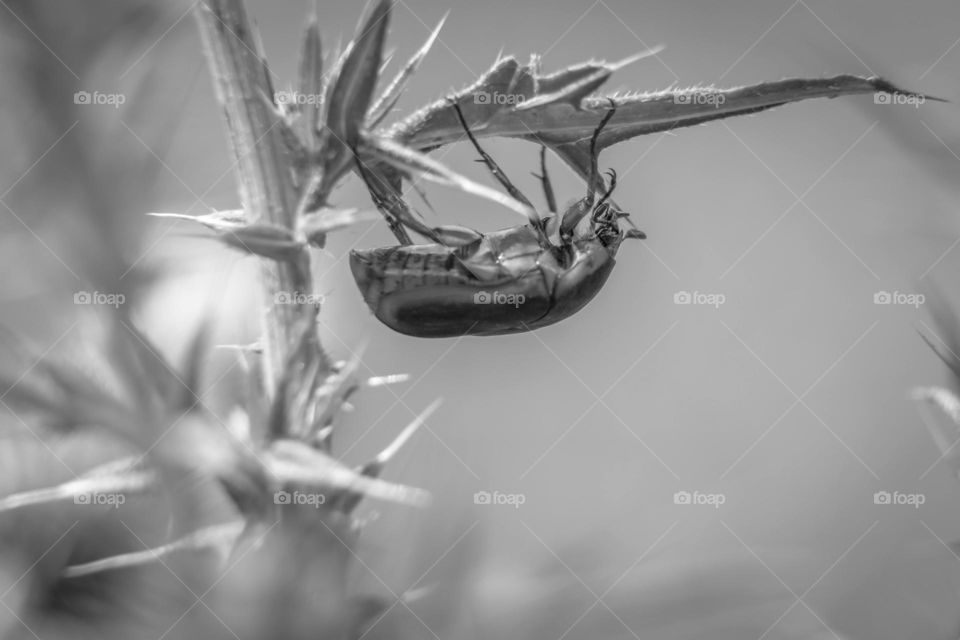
(613, 185)
(545, 180)
(575, 214)
(594, 159)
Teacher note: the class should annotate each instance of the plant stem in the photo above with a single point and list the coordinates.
(268, 179)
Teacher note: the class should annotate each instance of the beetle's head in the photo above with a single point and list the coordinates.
(605, 220)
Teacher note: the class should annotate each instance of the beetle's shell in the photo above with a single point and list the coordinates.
(429, 290)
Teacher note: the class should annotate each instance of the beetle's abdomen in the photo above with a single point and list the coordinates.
(426, 291)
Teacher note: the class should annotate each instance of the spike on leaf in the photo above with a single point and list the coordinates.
(388, 99)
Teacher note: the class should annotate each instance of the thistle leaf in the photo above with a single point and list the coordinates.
(556, 111)
(265, 240)
(412, 161)
(349, 96)
(311, 82)
(575, 83)
(388, 99)
(292, 462)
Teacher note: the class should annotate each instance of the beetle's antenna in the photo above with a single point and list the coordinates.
(545, 181)
(490, 162)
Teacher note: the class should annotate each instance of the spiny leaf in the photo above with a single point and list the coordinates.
(265, 240)
(575, 83)
(373, 468)
(333, 393)
(311, 82)
(293, 463)
(218, 220)
(388, 99)
(551, 116)
(412, 161)
(349, 96)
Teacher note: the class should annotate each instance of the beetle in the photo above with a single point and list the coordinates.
(510, 281)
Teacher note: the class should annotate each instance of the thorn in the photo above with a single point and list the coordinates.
(637, 56)
(379, 381)
(384, 456)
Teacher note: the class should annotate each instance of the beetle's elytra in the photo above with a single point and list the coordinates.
(509, 281)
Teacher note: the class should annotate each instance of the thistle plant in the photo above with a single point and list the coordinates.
(277, 550)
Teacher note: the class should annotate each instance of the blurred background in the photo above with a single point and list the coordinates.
(789, 402)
